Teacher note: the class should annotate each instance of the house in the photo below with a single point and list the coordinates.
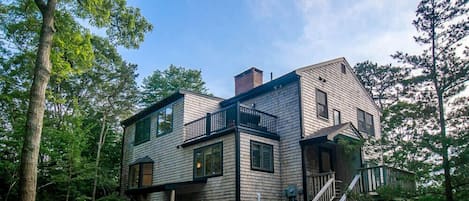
(280, 140)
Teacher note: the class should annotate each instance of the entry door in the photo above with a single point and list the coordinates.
(325, 160)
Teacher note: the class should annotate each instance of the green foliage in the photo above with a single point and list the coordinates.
(415, 136)
(163, 83)
(89, 79)
(383, 82)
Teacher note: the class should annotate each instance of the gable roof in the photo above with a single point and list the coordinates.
(292, 76)
(329, 133)
(160, 104)
(347, 65)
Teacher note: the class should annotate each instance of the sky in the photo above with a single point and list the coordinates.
(224, 38)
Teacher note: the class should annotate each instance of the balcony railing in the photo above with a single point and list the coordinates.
(227, 118)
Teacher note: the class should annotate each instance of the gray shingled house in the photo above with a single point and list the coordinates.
(278, 140)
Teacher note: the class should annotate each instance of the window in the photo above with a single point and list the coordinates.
(365, 122)
(208, 161)
(321, 100)
(337, 119)
(342, 68)
(164, 120)
(142, 131)
(140, 175)
(262, 157)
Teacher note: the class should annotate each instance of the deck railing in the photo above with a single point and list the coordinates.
(353, 187)
(235, 115)
(321, 187)
(374, 177)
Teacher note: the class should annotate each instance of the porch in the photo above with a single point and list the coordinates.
(334, 167)
(323, 186)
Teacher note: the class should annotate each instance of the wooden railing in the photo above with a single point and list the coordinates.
(374, 177)
(234, 115)
(321, 186)
(354, 187)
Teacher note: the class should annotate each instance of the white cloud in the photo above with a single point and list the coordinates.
(357, 30)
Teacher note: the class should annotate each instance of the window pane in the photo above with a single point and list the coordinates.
(322, 111)
(256, 156)
(133, 176)
(337, 120)
(199, 167)
(216, 157)
(266, 158)
(208, 161)
(321, 97)
(165, 119)
(147, 169)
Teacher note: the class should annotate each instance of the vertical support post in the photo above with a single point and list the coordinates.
(208, 124)
(173, 195)
(237, 113)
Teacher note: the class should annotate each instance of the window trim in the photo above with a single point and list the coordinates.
(326, 105)
(147, 138)
(343, 68)
(140, 175)
(194, 176)
(333, 117)
(370, 132)
(158, 119)
(252, 142)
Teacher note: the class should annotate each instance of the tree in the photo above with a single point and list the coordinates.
(383, 82)
(441, 71)
(162, 83)
(67, 53)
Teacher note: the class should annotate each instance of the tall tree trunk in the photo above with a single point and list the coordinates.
(35, 115)
(439, 92)
(102, 137)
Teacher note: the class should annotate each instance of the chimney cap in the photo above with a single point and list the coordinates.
(249, 70)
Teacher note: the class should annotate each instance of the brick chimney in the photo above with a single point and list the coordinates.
(247, 80)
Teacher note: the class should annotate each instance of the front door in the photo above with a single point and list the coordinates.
(325, 160)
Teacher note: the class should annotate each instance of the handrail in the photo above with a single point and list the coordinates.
(350, 187)
(385, 166)
(323, 189)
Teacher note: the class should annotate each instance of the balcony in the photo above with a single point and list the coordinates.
(229, 118)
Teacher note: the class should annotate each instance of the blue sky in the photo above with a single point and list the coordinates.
(223, 38)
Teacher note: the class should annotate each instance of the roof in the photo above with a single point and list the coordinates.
(156, 106)
(269, 86)
(290, 77)
(329, 133)
(145, 159)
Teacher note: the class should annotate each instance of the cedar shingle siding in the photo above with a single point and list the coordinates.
(294, 104)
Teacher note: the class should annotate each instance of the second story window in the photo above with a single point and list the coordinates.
(262, 156)
(208, 161)
(142, 131)
(321, 102)
(365, 122)
(164, 120)
(337, 119)
(141, 175)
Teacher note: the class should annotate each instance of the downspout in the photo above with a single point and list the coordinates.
(122, 162)
(303, 165)
(238, 156)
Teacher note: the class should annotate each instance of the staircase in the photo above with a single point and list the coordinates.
(338, 190)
